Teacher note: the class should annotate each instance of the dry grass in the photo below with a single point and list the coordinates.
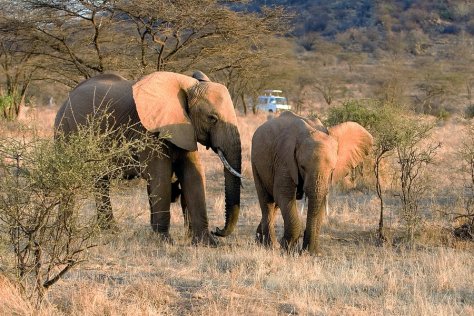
(11, 300)
(135, 274)
(39, 118)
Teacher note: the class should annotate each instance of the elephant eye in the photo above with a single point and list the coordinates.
(212, 118)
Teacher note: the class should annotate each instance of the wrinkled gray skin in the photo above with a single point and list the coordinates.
(292, 156)
(215, 127)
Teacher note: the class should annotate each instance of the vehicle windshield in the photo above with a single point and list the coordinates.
(280, 100)
(271, 100)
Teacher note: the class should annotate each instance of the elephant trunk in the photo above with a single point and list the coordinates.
(233, 156)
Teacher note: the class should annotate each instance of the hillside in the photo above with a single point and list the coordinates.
(417, 53)
(327, 51)
(331, 18)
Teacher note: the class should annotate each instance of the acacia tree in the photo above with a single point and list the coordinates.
(386, 129)
(395, 132)
(18, 70)
(80, 38)
(257, 69)
(413, 156)
(69, 36)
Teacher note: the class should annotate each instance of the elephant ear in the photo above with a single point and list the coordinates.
(354, 144)
(161, 103)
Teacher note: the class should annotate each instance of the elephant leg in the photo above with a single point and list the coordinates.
(175, 194)
(158, 175)
(105, 216)
(265, 233)
(313, 224)
(187, 222)
(266, 229)
(285, 197)
(192, 179)
(292, 224)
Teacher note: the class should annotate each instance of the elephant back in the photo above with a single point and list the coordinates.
(101, 94)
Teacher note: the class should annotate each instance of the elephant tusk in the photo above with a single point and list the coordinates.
(227, 165)
(326, 206)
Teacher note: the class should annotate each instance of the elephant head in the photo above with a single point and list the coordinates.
(317, 157)
(329, 153)
(190, 110)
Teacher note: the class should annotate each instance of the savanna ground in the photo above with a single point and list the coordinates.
(135, 274)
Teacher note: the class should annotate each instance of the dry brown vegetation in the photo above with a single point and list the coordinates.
(135, 274)
(419, 58)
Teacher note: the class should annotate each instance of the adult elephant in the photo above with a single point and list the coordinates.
(189, 110)
(292, 156)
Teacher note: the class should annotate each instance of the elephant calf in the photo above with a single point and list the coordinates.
(292, 156)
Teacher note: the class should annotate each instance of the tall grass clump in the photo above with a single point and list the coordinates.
(396, 131)
(44, 185)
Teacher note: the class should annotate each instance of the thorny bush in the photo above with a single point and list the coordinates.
(44, 184)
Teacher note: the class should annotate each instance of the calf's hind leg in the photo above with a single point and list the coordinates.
(266, 229)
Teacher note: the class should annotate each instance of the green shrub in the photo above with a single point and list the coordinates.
(443, 114)
(389, 125)
(43, 185)
(365, 112)
(9, 105)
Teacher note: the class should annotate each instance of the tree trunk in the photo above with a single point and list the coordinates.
(244, 104)
(378, 186)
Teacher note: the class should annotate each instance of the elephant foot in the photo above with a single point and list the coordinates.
(165, 238)
(307, 253)
(291, 246)
(317, 253)
(313, 251)
(259, 234)
(220, 232)
(205, 239)
(272, 245)
(267, 242)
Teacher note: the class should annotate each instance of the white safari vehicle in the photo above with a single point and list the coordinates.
(272, 101)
